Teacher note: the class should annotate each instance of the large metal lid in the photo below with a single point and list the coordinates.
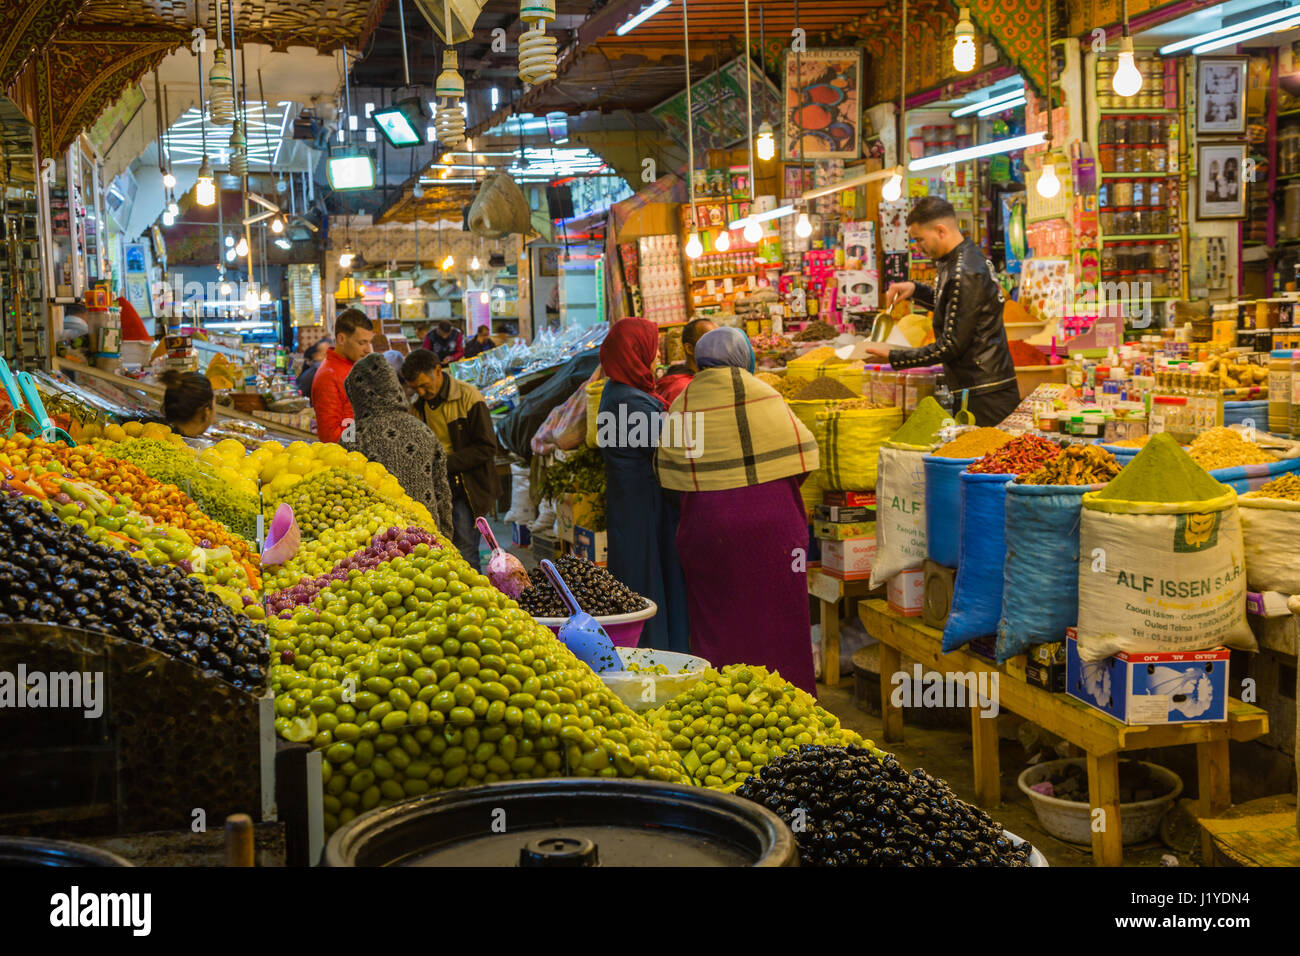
(567, 822)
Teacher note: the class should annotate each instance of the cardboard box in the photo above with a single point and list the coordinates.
(1169, 687)
(592, 545)
(1043, 666)
(574, 510)
(906, 592)
(850, 559)
(545, 546)
(843, 515)
(850, 499)
(837, 531)
(520, 535)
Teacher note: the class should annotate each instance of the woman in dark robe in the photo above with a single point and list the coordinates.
(639, 519)
(743, 535)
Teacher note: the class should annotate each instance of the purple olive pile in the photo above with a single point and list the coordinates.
(597, 591)
(849, 807)
(384, 546)
(52, 573)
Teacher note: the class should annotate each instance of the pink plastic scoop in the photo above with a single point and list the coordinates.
(504, 570)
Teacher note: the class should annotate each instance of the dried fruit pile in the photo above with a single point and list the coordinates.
(597, 591)
(1076, 465)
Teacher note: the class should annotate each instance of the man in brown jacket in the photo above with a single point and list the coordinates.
(459, 417)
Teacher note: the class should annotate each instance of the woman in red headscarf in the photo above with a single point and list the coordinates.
(641, 522)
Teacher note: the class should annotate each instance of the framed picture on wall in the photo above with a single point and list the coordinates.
(1221, 95)
(1220, 192)
(822, 105)
(134, 258)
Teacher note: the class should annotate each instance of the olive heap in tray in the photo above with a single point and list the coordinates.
(849, 807)
(52, 573)
(597, 591)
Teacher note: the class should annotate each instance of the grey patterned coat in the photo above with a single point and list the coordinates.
(388, 433)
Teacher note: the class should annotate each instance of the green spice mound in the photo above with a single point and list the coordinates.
(1164, 473)
(922, 428)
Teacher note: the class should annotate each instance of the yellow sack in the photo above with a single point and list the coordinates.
(808, 368)
(811, 491)
(594, 390)
(849, 375)
(849, 440)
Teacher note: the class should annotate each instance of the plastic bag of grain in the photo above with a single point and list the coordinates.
(1270, 528)
(900, 492)
(849, 441)
(1161, 560)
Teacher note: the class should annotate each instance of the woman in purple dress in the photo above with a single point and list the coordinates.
(737, 453)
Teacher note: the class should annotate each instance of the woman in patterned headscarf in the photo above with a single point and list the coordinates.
(385, 431)
(743, 525)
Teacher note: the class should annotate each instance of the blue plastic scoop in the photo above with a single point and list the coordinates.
(581, 633)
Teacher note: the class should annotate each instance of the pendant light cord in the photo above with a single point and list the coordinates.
(902, 90)
(1047, 75)
(749, 115)
(690, 134)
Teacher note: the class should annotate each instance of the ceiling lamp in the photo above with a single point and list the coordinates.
(1127, 80)
(388, 296)
(1048, 185)
(641, 17)
(230, 255)
(230, 242)
(448, 263)
(766, 145)
(803, 226)
(449, 123)
(345, 258)
(483, 298)
(351, 170)
(174, 209)
(893, 188)
(284, 243)
(753, 231)
(963, 51)
(277, 224)
(238, 164)
(168, 217)
(224, 288)
(723, 242)
(402, 124)
(474, 264)
(221, 83)
(205, 187)
(976, 152)
(266, 295)
(250, 297)
(694, 248)
(169, 181)
(241, 247)
(536, 49)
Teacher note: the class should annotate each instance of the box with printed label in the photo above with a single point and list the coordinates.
(906, 592)
(574, 510)
(1169, 687)
(843, 515)
(850, 559)
(850, 499)
(1043, 666)
(592, 545)
(838, 531)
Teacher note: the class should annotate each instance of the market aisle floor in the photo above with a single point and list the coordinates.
(947, 754)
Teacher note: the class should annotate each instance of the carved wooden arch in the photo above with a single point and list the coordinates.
(29, 31)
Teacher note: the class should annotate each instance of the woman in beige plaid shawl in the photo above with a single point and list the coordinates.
(738, 454)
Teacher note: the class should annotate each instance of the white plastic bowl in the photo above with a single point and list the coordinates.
(632, 687)
(1035, 858)
(624, 630)
(1071, 820)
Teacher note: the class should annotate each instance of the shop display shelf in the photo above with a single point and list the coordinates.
(732, 275)
(1149, 111)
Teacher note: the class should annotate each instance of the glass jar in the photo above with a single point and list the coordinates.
(1106, 157)
(1106, 130)
(1122, 131)
(1125, 221)
(1109, 263)
(1106, 220)
(1157, 220)
(1122, 193)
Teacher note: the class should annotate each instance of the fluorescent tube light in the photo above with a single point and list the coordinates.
(976, 107)
(1236, 38)
(776, 213)
(1001, 105)
(1178, 46)
(641, 17)
(977, 152)
(851, 183)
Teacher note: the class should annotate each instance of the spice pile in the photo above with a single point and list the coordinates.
(1139, 442)
(1286, 487)
(859, 403)
(816, 332)
(1162, 472)
(1022, 354)
(1020, 456)
(1225, 448)
(1076, 465)
(783, 385)
(922, 426)
(822, 388)
(859, 808)
(974, 444)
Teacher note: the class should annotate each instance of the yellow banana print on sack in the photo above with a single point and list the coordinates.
(1195, 532)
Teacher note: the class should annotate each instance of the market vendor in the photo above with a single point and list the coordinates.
(353, 331)
(481, 342)
(674, 381)
(189, 405)
(445, 341)
(970, 340)
(456, 412)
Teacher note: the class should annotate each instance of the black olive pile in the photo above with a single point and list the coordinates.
(848, 807)
(52, 573)
(597, 591)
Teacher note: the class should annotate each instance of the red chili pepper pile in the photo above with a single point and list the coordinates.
(1020, 456)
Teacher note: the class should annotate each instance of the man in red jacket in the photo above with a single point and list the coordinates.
(352, 335)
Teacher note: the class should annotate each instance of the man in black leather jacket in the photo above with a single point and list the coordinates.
(970, 340)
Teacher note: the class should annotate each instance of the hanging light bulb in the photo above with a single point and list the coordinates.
(345, 258)
(536, 49)
(448, 262)
(230, 242)
(230, 255)
(723, 242)
(238, 164)
(174, 209)
(266, 295)
(753, 231)
(277, 225)
(449, 122)
(169, 181)
(963, 51)
(205, 187)
(803, 226)
(168, 217)
(474, 264)
(361, 290)
(221, 90)
(483, 298)
(1048, 185)
(893, 187)
(469, 144)
(765, 145)
(250, 297)
(694, 248)
(241, 247)
(1127, 80)
(388, 296)
(445, 159)
(225, 287)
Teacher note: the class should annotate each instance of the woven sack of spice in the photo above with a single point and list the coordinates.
(977, 593)
(1161, 560)
(1040, 591)
(900, 492)
(849, 441)
(1270, 528)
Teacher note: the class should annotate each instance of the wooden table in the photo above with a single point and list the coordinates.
(830, 591)
(1099, 735)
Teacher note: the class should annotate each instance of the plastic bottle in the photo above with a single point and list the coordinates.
(1280, 391)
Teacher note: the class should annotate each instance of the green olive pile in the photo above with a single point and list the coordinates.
(418, 675)
(597, 591)
(325, 501)
(851, 807)
(734, 721)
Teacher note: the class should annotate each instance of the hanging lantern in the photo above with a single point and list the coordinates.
(536, 49)
(238, 151)
(221, 96)
(449, 123)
